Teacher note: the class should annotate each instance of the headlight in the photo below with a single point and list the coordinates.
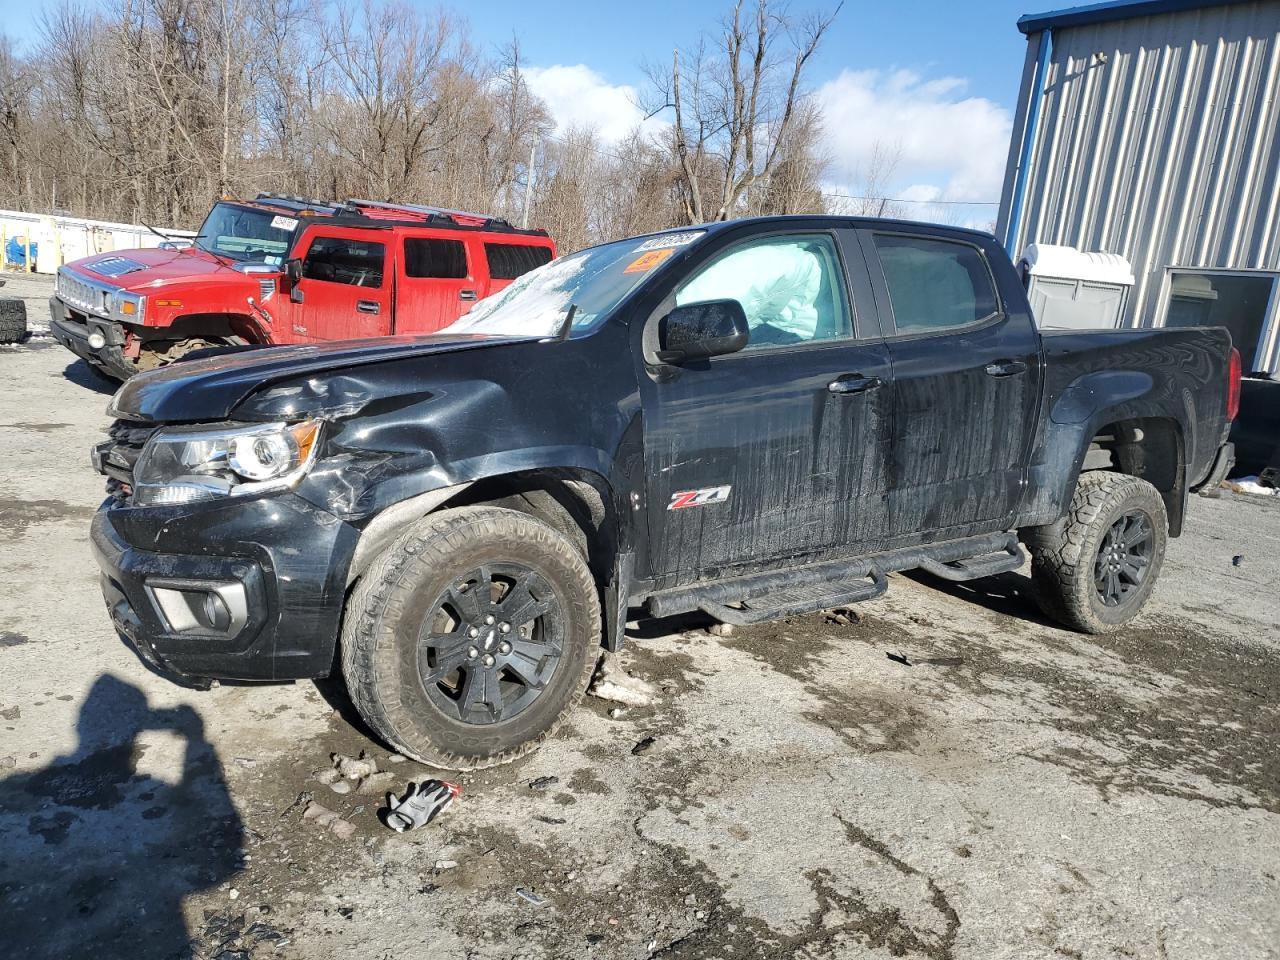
(182, 465)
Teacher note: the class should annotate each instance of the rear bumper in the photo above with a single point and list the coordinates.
(74, 335)
(282, 561)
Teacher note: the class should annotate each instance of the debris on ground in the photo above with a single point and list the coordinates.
(354, 768)
(300, 800)
(1237, 559)
(612, 682)
(326, 775)
(926, 661)
(443, 865)
(554, 821)
(324, 817)
(341, 787)
(643, 746)
(8, 763)
(617, 713)
(396, 758)
(1251, 485)
(530, 897)
(377, 782)
(543, 783)
(421, 804)
(720, 629)
(842, 616)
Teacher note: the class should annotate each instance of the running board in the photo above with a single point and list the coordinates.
(836, 582)
(798, 600)
(1010, 558)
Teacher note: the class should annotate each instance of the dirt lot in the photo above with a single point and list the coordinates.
(1049, 795)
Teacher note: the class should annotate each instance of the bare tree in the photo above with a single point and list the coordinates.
(735, 105)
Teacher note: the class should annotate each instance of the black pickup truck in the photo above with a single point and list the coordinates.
(755, 419)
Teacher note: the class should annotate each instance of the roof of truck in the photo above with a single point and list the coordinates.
(375, 214)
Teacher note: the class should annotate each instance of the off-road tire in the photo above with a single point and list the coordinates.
(1063, 553)
(13, 320)
(386, 609)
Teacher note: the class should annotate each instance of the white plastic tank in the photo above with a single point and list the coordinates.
(1072, 289)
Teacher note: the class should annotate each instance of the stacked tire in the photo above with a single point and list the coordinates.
(13, 320)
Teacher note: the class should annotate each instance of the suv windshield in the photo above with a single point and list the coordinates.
(594, 281)
(243, 233)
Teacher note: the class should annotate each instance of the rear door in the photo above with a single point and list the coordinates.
(776, 453)
(345, 288)
(966, 370)
(437, 280)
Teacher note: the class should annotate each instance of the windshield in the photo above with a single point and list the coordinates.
(243, 233)
(594, 281)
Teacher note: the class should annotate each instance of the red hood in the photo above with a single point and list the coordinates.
(152, 267)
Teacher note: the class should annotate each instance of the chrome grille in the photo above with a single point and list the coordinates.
(82, 294)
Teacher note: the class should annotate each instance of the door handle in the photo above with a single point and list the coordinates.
(853, 383)
(466, 294)
(1006, 368)
(367, 306)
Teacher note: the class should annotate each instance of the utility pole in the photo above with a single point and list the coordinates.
(529, 180)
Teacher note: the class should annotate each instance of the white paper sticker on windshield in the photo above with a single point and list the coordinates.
(284, 223)
(668, 240)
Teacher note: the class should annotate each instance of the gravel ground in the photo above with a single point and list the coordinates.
(806, 795)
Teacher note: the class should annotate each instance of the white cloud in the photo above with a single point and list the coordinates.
(579, 97)
(949, 147)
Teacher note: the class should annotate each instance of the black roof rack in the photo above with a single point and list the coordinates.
(350, 213)
(305, 203)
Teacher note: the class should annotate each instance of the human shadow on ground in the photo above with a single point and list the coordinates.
(97, 857)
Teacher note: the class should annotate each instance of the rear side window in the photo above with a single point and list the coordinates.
(337, 260)
(510, 260)
(436, 259)
(935, 285)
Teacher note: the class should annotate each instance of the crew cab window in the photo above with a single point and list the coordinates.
(935, 285)
(791, 289)
(510, 260)
(438, 259)
(337, 260)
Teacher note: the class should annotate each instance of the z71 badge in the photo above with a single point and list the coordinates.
(698, 498)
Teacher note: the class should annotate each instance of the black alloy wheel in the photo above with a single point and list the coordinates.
(1124, 557)
(491, 643)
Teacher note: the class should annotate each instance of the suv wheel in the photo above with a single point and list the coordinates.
(471, 637)
(1094, 570)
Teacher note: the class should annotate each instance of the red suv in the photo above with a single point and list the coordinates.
(283, 269)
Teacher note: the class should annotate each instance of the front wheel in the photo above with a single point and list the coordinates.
(1094, 569)
(470, 639)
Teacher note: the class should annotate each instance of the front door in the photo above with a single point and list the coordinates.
(966, 375)
(777, 452)
(345, 290)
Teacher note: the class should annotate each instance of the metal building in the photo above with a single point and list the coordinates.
(1151, 129)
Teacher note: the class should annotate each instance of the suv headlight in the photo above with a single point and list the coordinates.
(128, 306)
(186, 464)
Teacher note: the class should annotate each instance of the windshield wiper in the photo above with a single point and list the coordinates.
(162, 236)
(567, 326)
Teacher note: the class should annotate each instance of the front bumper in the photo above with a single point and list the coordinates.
(285, 557)
(74, 334)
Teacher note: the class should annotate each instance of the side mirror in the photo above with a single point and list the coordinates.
(289, 282)
(697, 331)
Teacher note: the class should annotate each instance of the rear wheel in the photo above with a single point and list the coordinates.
(1094, 570)
(468, 641)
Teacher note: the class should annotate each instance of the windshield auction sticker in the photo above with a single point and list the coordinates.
(647, 261)
(284, 223)
(668, 240)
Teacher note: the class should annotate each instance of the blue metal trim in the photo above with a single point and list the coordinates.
(1112, 10)
(1021, 175)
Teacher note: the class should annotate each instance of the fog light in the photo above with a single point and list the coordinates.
(97, 340)
(201, 607)
(216, 615)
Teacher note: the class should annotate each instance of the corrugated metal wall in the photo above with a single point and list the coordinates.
(1159, 139)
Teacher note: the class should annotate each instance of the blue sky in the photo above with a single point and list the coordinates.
(931, 82)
